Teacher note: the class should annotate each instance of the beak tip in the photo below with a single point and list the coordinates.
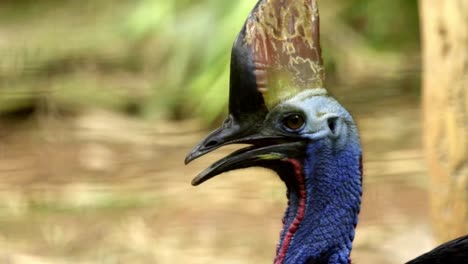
(191, 157)
(196, 181)
(203, 177)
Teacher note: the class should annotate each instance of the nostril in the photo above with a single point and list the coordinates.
(211, 143)
(332, 124)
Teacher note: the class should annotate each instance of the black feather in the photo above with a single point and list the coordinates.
(453, 252)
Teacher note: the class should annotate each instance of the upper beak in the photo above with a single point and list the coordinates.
(230, 132)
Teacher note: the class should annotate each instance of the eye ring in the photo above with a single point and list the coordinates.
(293, 122)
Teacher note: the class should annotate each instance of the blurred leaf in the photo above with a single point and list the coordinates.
(196, 76)
(148, 16)
(386, 24)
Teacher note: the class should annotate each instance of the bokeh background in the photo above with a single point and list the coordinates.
(101, 100)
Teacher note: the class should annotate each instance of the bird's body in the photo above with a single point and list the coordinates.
(452, 252)
(278, 106)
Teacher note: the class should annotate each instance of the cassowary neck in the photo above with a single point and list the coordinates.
(323, 206)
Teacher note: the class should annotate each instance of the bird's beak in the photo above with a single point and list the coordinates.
(263, 151)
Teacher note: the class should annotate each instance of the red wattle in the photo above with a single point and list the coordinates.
(300, 211)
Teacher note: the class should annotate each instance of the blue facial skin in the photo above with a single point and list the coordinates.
(332, 176)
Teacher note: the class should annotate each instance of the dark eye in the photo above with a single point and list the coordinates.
(293, 122)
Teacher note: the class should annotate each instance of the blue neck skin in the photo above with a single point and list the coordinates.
(330, 206)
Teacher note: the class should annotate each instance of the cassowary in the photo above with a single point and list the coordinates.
(278, 106)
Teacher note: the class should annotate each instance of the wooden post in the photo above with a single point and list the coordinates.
(445, 61)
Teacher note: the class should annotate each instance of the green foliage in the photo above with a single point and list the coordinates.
(197, 38)
(388, 25)
(165, 57)
(196, 76)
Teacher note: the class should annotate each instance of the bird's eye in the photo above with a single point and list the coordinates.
(293, 122)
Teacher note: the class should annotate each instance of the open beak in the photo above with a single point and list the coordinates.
(263, 151)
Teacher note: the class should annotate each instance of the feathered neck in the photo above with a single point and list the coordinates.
(324, 197)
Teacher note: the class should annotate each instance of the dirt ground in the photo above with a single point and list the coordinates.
(103, 188)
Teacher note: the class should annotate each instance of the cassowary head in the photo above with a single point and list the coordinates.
(311, 118)
(279, 107)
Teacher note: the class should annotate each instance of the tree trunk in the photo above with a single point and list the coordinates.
(445, 44)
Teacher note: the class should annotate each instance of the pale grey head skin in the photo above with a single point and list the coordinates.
(324, 118)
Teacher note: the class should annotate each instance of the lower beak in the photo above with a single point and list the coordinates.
(253, 156)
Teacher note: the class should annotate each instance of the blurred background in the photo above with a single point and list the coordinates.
(101, 100)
